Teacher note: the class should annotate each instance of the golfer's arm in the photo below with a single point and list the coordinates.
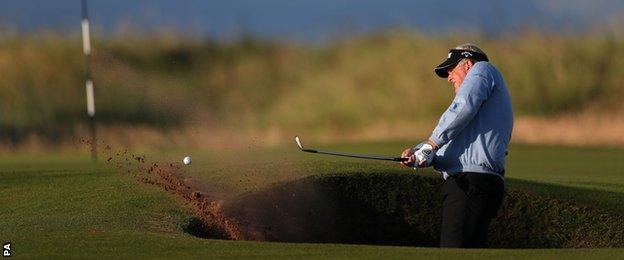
(433, 144)
(462, 110)
(452, 122)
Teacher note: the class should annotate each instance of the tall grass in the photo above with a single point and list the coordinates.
(385, 78)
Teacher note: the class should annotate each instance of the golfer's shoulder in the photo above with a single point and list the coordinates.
(483, 68)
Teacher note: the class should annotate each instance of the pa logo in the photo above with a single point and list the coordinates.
(6, 249)
(466, 54)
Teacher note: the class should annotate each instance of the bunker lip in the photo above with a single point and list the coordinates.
(381, 209)
(313, 211)
(404, 209)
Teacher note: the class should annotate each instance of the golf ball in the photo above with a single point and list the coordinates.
(187, 160)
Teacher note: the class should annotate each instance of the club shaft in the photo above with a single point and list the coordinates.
(398, 159)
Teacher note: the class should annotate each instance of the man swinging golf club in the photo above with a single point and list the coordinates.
(468, 146)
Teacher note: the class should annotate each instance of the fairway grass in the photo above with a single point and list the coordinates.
(60, 206)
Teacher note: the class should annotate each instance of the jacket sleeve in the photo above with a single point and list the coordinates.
(475, 89)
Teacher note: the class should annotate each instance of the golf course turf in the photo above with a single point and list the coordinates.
(56, 206)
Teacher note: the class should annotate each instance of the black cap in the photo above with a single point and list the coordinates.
(454, 56)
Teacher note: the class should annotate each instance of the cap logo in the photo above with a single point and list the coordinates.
(466, 54)
(449, 55)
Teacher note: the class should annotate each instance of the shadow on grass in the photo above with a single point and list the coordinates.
(404, 209)
(321, 210)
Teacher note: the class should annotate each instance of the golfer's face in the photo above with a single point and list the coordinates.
(457, 74)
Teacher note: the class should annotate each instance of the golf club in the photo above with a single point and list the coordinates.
(396, 159)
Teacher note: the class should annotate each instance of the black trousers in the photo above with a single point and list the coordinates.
(470, 201)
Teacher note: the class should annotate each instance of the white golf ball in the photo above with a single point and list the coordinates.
(187, 160)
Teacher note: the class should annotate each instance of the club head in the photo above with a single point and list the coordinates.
(298, 142)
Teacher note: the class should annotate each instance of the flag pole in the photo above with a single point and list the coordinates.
(90, 95)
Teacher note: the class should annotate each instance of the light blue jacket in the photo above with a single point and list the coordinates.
(474, 132)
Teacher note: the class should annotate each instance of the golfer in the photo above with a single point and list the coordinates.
(468, 146)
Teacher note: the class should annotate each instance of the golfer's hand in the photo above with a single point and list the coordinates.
(424, 155)
(411, 159)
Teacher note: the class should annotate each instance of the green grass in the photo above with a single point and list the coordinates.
(592, 175)
(59, 206)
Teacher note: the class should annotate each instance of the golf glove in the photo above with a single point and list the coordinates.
(424, 154)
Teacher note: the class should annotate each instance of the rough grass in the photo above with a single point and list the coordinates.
(368, 82)
(59, 206)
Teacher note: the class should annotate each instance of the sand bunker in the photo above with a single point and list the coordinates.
(384, 209)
